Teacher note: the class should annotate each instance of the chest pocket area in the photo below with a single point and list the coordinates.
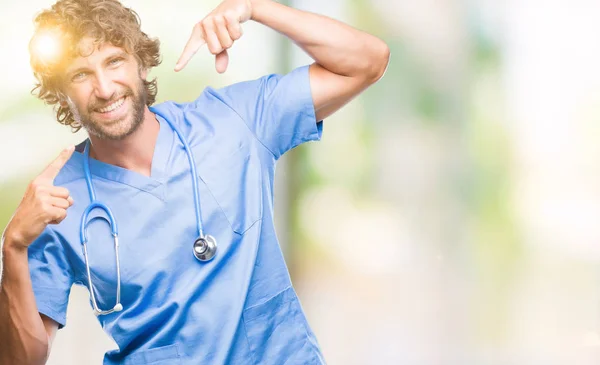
(232, 174)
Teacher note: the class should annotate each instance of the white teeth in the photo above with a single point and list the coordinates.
(112, 106)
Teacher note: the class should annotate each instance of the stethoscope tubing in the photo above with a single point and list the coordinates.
(207, 243)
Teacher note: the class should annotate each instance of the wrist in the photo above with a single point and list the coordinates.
(13, 242)
(256, 6)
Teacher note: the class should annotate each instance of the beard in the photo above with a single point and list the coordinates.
(117, 129)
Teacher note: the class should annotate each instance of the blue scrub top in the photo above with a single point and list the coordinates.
(239, 308)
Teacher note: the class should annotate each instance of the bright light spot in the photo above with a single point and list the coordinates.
(47, 46)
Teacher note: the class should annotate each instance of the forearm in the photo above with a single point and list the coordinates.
(23, 338)
(334, 45)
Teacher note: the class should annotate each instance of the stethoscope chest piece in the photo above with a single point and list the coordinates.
(205, 248)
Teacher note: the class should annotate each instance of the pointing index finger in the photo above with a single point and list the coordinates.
(193, 45)
(54, 168)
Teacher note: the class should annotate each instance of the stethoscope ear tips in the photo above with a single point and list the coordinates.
(205, 248)
(118, 307)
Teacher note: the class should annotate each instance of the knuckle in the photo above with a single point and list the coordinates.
(35, 184)
(215, 50)
(207, 23)
(39, 190)
(219, 19)
(57, 215)
(45, 207)
(229, 16)
(45, 204)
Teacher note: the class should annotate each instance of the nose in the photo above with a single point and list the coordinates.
(105, 88)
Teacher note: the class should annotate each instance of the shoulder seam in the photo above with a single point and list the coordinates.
(250, 130)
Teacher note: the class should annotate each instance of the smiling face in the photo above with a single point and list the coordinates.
(105, 91)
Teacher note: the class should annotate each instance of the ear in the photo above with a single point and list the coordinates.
(144, 73)
(62, 100)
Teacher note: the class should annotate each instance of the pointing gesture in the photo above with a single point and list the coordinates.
(42, 204)
(218, 30)
(50, 172)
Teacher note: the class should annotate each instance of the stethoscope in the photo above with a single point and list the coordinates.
(204, 248)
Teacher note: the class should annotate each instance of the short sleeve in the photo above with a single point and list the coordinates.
(279, 109)
(51, 276)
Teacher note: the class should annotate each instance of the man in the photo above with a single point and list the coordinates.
(157, 301)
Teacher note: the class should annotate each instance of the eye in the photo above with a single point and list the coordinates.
(115, 61)
(79, 76)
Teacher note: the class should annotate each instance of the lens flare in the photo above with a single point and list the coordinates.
(47, 46)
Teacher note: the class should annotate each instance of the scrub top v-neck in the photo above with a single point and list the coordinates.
(160, 167)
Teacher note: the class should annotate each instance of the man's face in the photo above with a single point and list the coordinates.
(105, 91)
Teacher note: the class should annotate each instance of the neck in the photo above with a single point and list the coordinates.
(134, 152)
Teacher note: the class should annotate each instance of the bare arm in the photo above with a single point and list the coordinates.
(347, 60)
(26, 336)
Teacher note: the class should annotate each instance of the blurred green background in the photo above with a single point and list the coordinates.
(450, 215)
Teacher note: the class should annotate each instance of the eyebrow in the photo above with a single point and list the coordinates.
(117, 54)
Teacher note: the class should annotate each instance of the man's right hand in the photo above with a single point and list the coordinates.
(42, 204)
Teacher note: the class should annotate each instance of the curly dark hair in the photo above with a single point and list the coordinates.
(105, 21)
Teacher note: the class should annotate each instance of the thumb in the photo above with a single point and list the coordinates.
(222, 61)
